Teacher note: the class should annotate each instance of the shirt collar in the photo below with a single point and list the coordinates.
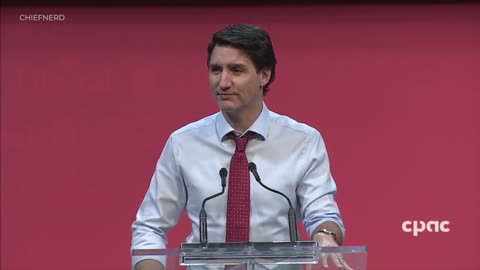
(259, 127)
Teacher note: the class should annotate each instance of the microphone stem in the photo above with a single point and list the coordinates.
(292, 224)
(213, 196)
(279, 193)
(292, 217)
(203, 218)
(203, 226)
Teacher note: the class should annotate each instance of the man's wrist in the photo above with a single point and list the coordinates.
(328, 232)
(330, 228)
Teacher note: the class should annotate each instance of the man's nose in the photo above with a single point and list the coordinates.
(225, 80)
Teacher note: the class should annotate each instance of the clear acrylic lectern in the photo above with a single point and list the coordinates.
(257, 255)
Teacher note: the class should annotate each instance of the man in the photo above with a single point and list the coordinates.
(290, 157)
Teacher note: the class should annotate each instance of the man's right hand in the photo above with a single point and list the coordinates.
(149, 264)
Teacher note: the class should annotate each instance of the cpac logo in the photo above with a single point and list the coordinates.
(420, 226)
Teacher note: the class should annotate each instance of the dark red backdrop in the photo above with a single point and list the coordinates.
(87, 104)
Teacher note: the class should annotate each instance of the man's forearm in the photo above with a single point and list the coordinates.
(333, 227)
(149, 264)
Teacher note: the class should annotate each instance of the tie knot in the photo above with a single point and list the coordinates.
(241, 142)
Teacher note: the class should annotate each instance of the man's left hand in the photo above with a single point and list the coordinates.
(325, 240)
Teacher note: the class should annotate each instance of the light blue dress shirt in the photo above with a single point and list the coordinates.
(290, 157)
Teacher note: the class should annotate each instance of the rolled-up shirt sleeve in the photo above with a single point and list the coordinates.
(161, 208)
(316, 192)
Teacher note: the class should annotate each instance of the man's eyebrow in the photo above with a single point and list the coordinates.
(237, 65)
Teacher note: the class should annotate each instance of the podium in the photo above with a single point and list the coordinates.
(257, 256)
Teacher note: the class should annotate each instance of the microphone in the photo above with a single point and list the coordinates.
(203, 214)
(292, 219)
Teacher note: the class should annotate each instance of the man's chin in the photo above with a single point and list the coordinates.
(227, 109)
(226, 106)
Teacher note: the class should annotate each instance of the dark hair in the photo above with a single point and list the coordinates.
(252, 40)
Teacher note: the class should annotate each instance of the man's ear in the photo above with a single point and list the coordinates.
(265, 75)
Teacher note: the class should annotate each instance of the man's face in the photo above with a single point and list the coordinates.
(234, 81)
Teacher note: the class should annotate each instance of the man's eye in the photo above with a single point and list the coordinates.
(215, 70)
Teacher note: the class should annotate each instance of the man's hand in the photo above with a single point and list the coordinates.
(325, 240)
(149, 265)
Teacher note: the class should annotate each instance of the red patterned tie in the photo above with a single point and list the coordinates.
(238, 205)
